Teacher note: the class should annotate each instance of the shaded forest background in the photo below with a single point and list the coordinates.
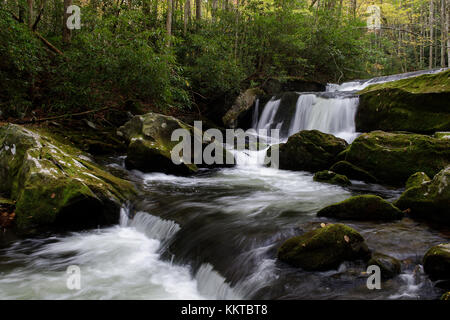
(183, 55)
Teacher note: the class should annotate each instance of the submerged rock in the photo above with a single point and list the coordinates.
(324, 248)
(436, 262)
(243, 103)
(418, 104)
(332, 178)
(150, 145)
(427, 199)
(309, 150)
(352, 171)
(364, 207)
(393, 157)
(389, 266)
(55, 185)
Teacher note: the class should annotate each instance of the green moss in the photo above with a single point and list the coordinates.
(436, 262)
(418, 104)
(332, 178)
(50, 179)
(324, 248)
(364, 207)
(352, 171)
(427, 83)
(309, 150)
(428, 199)
(417, 180)
(393, 157)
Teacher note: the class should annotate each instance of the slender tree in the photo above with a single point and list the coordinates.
(169, 21)
(66, 33)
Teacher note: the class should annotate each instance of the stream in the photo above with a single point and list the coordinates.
(215, 235)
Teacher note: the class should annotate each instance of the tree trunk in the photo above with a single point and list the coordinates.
(447, 13)
(187, 15)
(169, 21)
(198, 9)
(67, 33)
(214, 10)
(431, 22)
(30, 13)
(443, 31)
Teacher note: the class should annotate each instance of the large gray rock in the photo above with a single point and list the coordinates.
(55, 185)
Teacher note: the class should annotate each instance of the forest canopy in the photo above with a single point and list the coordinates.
(183, 54)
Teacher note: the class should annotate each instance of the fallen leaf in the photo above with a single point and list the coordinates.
(323, 225)
(53, 196)
(346, 238)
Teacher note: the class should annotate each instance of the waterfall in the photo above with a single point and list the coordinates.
(332, 111)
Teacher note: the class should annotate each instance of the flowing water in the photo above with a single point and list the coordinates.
(214, 235)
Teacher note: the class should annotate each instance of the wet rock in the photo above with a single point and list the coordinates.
(389, 266)
(352, 171)
(427, 199)
(417, 180)
(442, 135)
(364, 207)
(309, 150)
(418, 104)
(436, 262)
(150, 145)
(393, 157)
(54, 185)
(332, 178)
(324, 248)
(243, 103)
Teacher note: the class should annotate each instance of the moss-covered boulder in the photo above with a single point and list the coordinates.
(442, 135)
(324, 248)
(389, 266)
(150, 145)
(7, 214)
(309, 150)
(55, 185)
(364, 207)
(352, 172)
(243, 104)
(331, 177)
(427, 199)
(436, 262)
(446, 296)
(417, 180)
(393, 157)
(418, 104)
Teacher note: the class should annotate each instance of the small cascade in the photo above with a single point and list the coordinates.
(154, 227)
(255, 114)
(268, 115)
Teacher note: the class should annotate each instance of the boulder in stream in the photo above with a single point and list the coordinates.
(418, 104)
(324, 248)
(427, 199)
(54, 185)
(363, 207)
(436, 262)
(352, 172)
(393, 157)
(389, 266)
(150, 145)
(309, 150)
(331, 177)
